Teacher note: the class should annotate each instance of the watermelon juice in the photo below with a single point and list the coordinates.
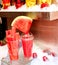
(13, 46)
(5, 3)
(13, 49)
(27, 43)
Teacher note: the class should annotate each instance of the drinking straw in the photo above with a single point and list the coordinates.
(13, 31)
(12, 34)
(17, 36)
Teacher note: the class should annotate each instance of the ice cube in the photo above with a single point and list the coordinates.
(36, 61)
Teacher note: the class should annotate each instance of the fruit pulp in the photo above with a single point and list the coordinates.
(24, 26)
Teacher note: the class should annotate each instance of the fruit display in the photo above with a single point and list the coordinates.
(26, 3)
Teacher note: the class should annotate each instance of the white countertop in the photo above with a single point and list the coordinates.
(33, 61)
(35, 8)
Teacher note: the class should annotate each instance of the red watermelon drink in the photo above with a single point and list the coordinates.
(13, 45)
(27, 43)
(5, 3)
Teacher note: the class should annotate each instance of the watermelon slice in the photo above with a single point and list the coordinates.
(22, 23)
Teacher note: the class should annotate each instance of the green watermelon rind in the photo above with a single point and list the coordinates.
(20, 17)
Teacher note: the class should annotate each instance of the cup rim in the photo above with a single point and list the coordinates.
(27, 36)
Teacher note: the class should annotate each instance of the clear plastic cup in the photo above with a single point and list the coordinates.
(13, 45)
(27, 43)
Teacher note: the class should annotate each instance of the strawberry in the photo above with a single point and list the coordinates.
(45, 58)
(44, 5)
(53, 54)
(34, 55)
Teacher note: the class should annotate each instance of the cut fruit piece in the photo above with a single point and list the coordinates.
(44, 5)
(22, 23)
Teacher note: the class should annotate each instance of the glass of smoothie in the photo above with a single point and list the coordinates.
(13, 45)
(27, 43)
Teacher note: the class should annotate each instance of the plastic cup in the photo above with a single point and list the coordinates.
(5, 3)
(27, 43)
(13, 48)
(13, 45)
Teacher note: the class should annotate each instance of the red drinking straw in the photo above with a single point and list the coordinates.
(13, 31)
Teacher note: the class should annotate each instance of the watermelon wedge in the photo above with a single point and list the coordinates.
(22, 23)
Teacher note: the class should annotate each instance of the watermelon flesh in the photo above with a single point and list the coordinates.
(23, 25)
